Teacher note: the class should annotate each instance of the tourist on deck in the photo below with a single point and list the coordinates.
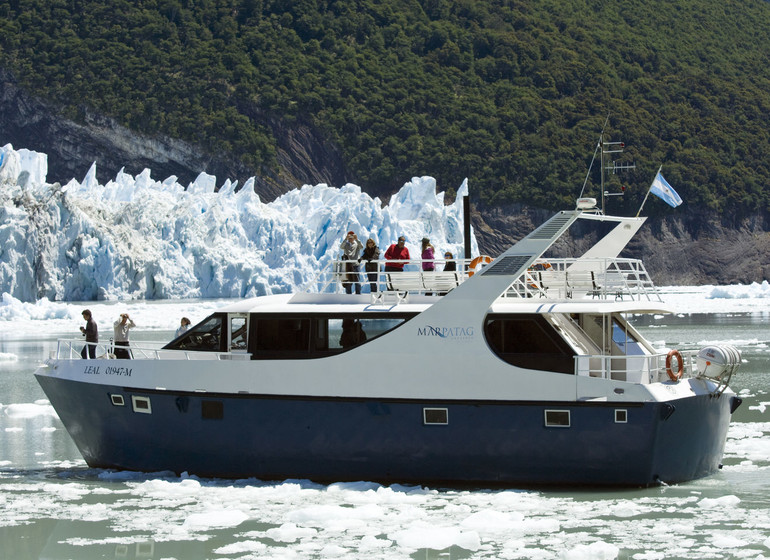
(451, 265)
(121, 327)
(91, 333)
(397, 252)
(427, 256)
(183, 327)
(351, 247)
(371, 255)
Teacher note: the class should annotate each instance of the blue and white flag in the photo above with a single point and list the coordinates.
(663, 190)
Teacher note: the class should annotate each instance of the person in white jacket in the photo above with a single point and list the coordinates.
(122, 326)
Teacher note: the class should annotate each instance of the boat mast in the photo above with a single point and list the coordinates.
(606, 148)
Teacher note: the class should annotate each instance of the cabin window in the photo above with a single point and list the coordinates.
(338, 334)
(624, 340)
(238, 331)
(141, 404)
(117, 400)
(529, 341)
(204, 337)
(557, 419)
(278, 337)
(435, 416)
(621, 416)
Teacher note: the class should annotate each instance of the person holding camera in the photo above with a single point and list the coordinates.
(120, 341)
(351, 247)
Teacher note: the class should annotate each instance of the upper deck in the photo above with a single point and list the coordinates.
(615, 279)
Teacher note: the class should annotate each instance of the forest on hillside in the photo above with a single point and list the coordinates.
(511, 94)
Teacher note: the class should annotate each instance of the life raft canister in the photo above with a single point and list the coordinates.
(478, 263)
(680, 367)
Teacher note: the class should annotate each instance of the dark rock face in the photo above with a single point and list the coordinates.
(304, 156)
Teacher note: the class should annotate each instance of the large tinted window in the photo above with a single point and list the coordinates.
(529, 341)
(336, 333)
(282, 336)
(205, 336)
(277, 338)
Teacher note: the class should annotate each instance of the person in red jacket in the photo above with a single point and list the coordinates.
(398, 252)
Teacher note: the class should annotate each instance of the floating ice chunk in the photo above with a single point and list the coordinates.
(724, 501)
(29, 410)
(290, 532)
(594, 551)
(215, 519)
(242, 547)
(437, 538)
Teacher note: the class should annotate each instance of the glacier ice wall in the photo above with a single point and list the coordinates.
(138, 238)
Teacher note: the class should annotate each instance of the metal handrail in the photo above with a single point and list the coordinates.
(562, 278)
(70, 349)
(644, 369)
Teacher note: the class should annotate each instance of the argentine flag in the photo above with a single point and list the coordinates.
(663, 190)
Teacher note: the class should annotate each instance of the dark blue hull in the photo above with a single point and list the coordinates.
(323, 439)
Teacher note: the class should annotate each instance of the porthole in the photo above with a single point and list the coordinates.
(435, 416)
(621, 416)
(141, 404)
(212, 410)
(557, 418)
(117, 400)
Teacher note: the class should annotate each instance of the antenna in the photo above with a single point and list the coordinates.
(605, 149)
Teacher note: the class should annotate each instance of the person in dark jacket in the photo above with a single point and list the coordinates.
(371, 255)
(91, 332)
(451, 265)
(352, 333)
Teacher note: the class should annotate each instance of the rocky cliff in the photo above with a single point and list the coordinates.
(685, 248)
(303, 155)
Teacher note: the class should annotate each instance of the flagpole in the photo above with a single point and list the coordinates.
(648, 191)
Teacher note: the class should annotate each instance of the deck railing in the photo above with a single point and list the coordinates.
(546, 278)
(73, 350)
(642, 369)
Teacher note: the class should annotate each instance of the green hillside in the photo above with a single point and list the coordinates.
(512, 95)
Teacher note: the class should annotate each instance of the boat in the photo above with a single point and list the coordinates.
(522, 370)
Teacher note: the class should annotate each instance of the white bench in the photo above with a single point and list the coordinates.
(422, 281)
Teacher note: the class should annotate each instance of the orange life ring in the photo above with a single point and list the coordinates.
(536, 267)
(680, 369)
(478, 262)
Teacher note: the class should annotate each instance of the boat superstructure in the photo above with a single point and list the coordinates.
(524, 371)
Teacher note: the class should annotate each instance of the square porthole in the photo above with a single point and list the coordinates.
(557, 419)
(117, 400)
(141, 404)
(212, 410)
(621, 416)
(435, 416)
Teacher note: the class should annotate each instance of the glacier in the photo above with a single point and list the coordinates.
(139, 238)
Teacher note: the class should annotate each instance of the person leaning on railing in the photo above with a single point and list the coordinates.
(397, 252)
(371, 255)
